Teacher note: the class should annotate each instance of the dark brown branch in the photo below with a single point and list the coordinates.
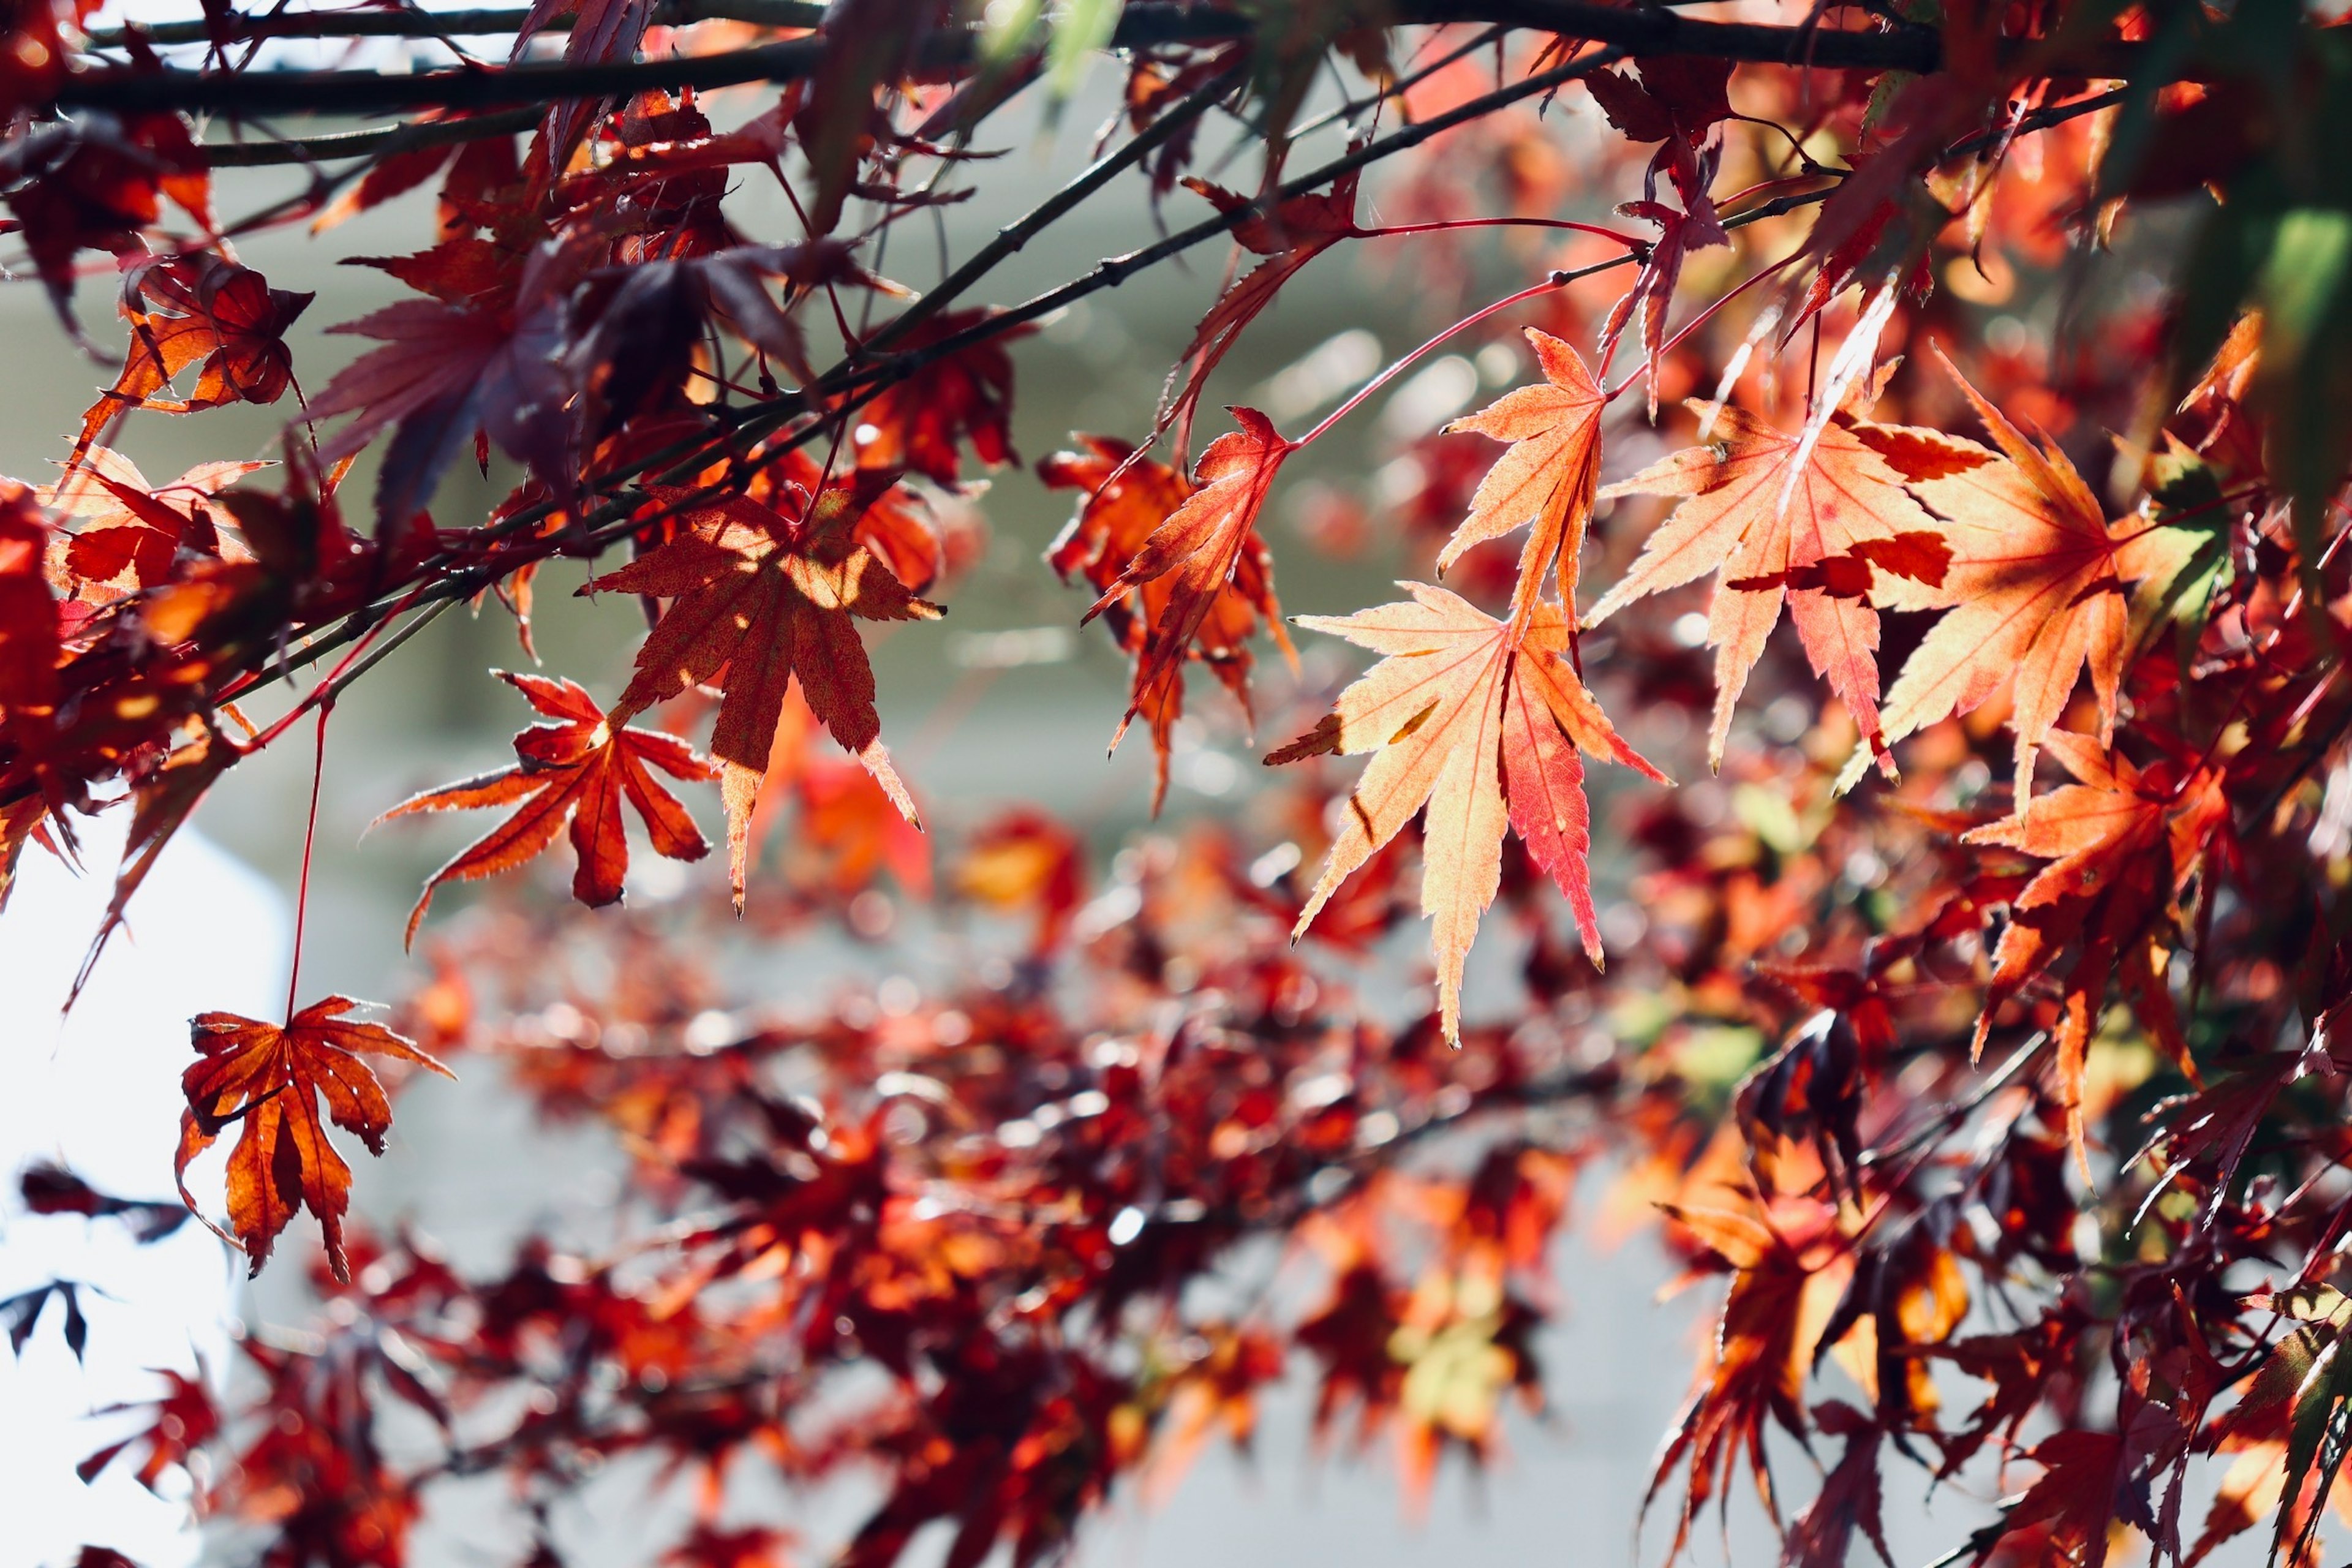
(488, 21)
(382, 140)
(1636, 33)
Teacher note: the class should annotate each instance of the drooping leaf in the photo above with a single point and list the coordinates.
(1199, 549)
(271, 1079)
(1128, 498)
(2122, 845)
(1294, 233)
(759, 600)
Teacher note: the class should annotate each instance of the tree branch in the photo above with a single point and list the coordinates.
(1637, 33)
(490, 21)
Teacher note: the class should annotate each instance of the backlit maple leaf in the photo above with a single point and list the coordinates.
(1128, 498)
(759, 600)
(1546, 480)
(203, 310)
(2122, 846)
(578, 768)
(1832, 539)
(2036, 578)
(1199, 548)
(271, 1078)
(1480, 722)
(129, 531)
(962, 397)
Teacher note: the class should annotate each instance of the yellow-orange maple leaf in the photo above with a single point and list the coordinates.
(1479, 720)
(1835, 540)
(2036, 579)
(1546, 480)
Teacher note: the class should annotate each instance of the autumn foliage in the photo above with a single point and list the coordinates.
(1926, 436)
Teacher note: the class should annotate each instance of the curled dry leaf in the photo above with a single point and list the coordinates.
(204, 311)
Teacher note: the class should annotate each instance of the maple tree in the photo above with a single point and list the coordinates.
(1974, 1010)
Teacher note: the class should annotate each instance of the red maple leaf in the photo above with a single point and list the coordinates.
(271, 1078)
(579, 768)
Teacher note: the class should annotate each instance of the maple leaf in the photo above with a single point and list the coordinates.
(1849, 1498)
(39, 54)
(483, 362)
(964, 396)
(758, 601)
(1830, 532)
(271, 1079)
(203, 310)
(1128, 498)
(1294, 233)
(185, 1419)
(852, 830)
(29, 628)
(578, 768)
(1479, 720)
(49, 1188)
(2122, 846)
(1026, 860)
(1678, 104)
(1546, 481)
(1770, 1333)
(2035, 577)
(1199, 548)
(98, 181)
(129, 531)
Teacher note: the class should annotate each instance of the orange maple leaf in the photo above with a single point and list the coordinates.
(2036, 579)
(1830, 532)
(129, 531)
(757, 599)
(1472, 718)
(1546, 481)
(580, 767)
(196, 309)
(2122, 845)
(1200, 547)
(1128, 498)
(271, 1078)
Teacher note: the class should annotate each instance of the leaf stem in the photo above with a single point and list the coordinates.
(309, 839)
(1557, 280)
(1444, 224)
